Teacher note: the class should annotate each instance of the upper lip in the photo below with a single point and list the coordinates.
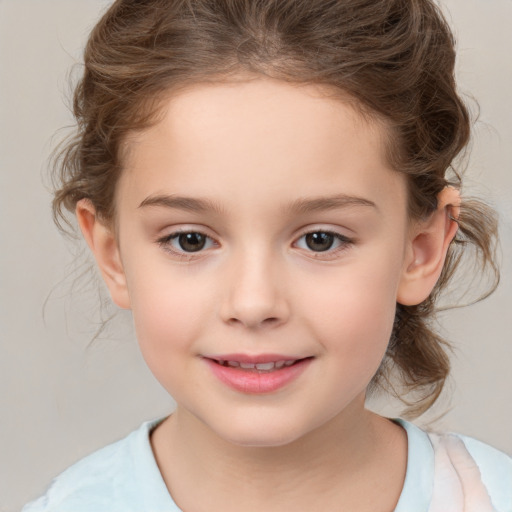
(253, 359)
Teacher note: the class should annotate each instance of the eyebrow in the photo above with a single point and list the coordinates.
(182, 203)
(300, 206)
(334, 202)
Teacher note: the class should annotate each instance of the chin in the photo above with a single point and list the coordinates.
(261, 432)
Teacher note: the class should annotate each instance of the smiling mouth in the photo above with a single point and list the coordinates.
(257, 374)
(259, 367)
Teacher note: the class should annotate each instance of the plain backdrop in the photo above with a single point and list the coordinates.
(61, 400)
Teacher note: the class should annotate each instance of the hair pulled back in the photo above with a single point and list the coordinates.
(394, 57)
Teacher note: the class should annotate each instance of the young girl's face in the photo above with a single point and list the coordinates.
(258, 222)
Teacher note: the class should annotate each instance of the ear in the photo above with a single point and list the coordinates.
(103, 244)
(427, 249)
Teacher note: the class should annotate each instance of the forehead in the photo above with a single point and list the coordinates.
(260, 106)
(258, 135)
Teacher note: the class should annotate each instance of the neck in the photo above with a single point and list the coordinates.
(334, 460)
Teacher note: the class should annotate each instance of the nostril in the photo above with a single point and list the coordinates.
(265, 322)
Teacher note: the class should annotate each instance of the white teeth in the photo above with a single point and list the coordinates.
(257, 366)
(265, 366)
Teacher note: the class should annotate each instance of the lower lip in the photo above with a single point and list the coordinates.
(254, 382)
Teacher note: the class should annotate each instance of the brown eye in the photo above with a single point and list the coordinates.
(191, 242)
(186, 242)
(329, 242)
(319, 241)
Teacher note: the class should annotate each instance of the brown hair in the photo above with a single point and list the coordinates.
(394, 57)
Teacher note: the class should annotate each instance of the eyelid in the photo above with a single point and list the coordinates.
(319, 228)
(345, 242)
(164, 242)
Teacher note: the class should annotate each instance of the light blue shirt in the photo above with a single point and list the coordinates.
(445, 473)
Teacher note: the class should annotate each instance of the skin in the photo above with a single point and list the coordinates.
(254, 149)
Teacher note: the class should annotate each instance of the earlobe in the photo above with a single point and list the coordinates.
(103, 244)
(427, 249)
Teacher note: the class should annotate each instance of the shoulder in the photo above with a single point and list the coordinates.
(483, 471)
(495, 468)
(490, 460)
(451, 472)
(87, 484)
(110, 479)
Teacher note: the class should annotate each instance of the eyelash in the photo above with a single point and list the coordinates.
(343, 241)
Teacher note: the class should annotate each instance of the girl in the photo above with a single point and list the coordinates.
(268, 186)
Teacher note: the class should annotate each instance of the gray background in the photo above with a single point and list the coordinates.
(60, 400)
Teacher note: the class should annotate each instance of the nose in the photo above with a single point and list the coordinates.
(255, 292)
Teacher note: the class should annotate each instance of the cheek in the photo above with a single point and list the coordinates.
(353, 312)
(168, 311)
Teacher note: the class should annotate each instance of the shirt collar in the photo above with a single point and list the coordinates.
(419, 477)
